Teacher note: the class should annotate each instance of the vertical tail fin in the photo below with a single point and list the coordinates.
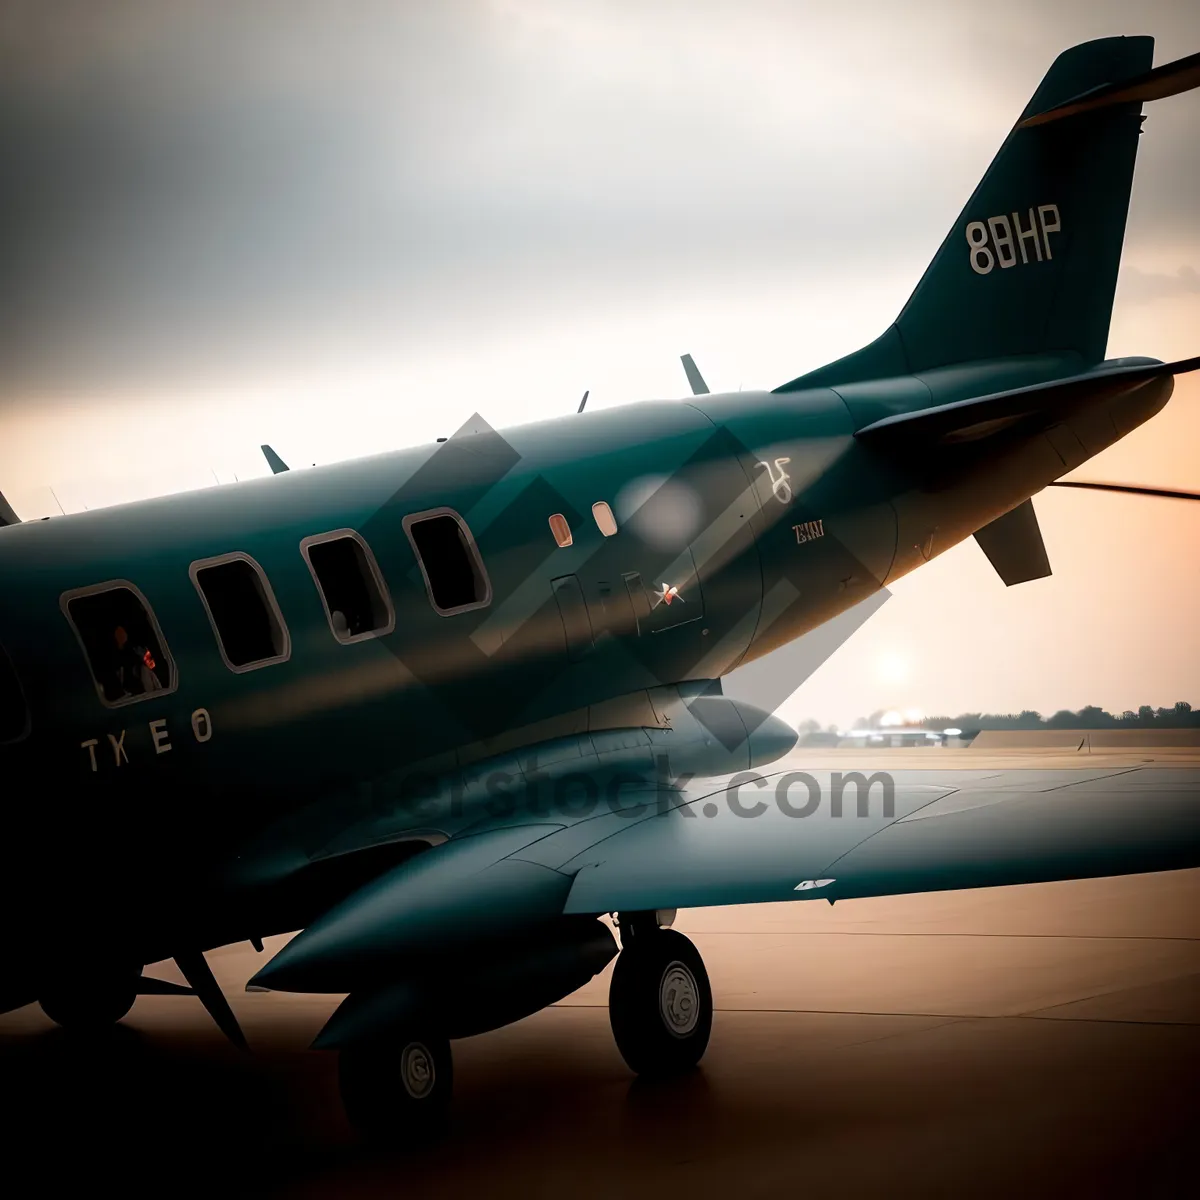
(1030, 266)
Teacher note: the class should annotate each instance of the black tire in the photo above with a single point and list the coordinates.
(397, 1092)
(90, 1008)
(660, 1004)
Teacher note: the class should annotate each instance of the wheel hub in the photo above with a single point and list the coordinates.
(417, 1070)
(678, 1000)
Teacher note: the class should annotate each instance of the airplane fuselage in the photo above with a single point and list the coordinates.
(742, 521)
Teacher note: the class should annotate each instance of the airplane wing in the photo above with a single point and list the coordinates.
(526, 878)
(967, 420)
(947, 829)
(753, 837)
(422, 858)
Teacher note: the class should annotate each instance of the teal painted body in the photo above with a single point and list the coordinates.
(336, 724)
(237, 803)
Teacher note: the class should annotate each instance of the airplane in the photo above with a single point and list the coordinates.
(435, 710)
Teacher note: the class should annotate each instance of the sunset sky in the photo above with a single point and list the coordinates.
(344, 228)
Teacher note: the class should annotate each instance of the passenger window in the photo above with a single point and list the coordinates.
(241, 606)
(449, 560)
(605, 521)
(125, 650)
(14, 714)
(561, 530)
(351, 587)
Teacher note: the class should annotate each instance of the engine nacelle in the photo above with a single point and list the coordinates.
(467, 995)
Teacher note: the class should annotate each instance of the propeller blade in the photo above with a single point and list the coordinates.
(1167, 493)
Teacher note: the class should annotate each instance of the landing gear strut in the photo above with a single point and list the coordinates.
(659, 1001)
(398, 1091)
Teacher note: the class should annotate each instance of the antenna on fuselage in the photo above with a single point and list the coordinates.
(276, 463)
(694, 378)
(584, 400)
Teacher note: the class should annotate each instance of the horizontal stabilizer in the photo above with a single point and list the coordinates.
(1014, 546)
(1168, 80)
(276, 463)
(967, 420)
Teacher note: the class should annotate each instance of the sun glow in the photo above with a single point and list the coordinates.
(893, 667)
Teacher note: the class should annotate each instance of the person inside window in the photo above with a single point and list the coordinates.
(135, 670)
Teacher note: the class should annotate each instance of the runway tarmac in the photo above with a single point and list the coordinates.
(1038, 1040)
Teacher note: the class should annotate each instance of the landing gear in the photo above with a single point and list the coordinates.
(398, 1091)
(91, 1003)
(659, 1001)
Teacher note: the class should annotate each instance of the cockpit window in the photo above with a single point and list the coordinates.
(124, 646)
(14, 714)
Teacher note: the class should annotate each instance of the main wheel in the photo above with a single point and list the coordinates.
(93, 1005)
(660, 1003)
(397, 1091)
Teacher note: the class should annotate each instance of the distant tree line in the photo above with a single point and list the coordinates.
(1181, 715)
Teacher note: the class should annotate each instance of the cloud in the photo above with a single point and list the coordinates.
(209, 189)
(1142, 286)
